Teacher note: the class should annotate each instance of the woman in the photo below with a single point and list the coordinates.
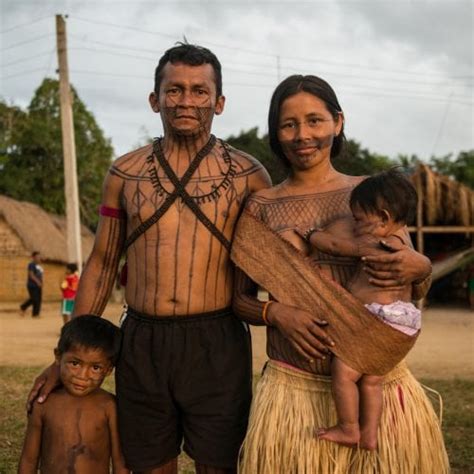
(293, 398)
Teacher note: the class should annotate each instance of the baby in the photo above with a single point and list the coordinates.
(76, 429)
(381, 207)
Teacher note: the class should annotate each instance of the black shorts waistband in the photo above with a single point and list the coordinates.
(146, 318)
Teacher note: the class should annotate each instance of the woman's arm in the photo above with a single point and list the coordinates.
(301, 328)
(404, 266)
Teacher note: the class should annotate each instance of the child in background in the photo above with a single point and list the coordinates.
(76, 430)
(381, 206)
(69, 290)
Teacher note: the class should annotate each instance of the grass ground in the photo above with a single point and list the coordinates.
(458, 418)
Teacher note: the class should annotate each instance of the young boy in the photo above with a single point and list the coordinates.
(69, 289)
(381, 207)
(76, 431)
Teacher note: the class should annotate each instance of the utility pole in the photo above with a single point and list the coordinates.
(71, 191)
(278, 68)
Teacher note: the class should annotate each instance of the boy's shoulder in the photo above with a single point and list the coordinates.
(103, 399)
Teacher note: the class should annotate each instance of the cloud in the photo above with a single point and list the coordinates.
(391, 63)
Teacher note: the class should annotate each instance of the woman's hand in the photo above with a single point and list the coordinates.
(401, 267)
(302, 329)
(43, 385)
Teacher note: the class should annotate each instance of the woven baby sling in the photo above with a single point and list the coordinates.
(362, 340)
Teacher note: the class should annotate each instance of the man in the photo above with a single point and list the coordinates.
(185, 368)
(34, 286)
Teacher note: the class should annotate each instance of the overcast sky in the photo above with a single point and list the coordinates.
(403, 70)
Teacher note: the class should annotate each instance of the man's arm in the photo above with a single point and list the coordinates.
(31, 447)
(98, 277)
(118, 462)
(33, 277)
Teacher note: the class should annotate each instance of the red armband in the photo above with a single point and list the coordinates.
(112, 212)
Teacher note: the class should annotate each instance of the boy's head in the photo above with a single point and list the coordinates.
(88, 348)
(36, 257)
(71, 268)
(387, 197)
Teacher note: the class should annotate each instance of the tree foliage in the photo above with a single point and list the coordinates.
(251, 143)
(31, 159)
(357, 161)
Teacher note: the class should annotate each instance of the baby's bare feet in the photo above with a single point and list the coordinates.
(368, 440)
(347, 435)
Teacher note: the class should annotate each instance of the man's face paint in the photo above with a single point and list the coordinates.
(307, 130)
(187, 99)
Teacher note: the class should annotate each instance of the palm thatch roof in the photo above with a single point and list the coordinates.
(40, 230)
(445, 201)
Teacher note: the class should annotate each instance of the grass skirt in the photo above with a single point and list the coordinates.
(289, 405)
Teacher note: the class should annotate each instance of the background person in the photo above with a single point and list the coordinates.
(34, 285)
(69, 289)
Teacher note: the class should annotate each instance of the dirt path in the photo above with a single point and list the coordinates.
(445, 348)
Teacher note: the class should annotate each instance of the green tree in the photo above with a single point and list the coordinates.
(357, 161)
(461, 168)
(258, 147)
(32, 163)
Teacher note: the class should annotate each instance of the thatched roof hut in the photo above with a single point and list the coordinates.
(446, 202)
(24, 228)
(445, 232)
(40, 230)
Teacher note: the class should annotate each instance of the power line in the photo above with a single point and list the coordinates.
(27, 41)
(406, 93)
(23, 25)
(46, 53)
(258, 73)
(273, 55)
(23, 73)
(124, 27)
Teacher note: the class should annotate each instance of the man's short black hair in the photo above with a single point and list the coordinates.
(390, 190)
(91, 332)
(291, 86)
(33, 254)
(192, 55)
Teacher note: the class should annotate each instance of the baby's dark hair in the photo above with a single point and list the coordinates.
(390, 190)
(91, 332)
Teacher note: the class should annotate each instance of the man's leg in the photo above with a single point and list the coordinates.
(216, 363)
(203, 469)
(371, 400)
(36, 297)
(346, 397)
(171, 467)
(27, 303)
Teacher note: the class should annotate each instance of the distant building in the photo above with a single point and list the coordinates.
(444, 230)
(24, 228)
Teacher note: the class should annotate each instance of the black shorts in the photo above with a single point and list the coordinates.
(186, 377)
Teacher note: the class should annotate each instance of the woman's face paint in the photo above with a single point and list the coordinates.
(307, 130)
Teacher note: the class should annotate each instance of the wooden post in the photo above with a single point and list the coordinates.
(419, 222)
(74, 250)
